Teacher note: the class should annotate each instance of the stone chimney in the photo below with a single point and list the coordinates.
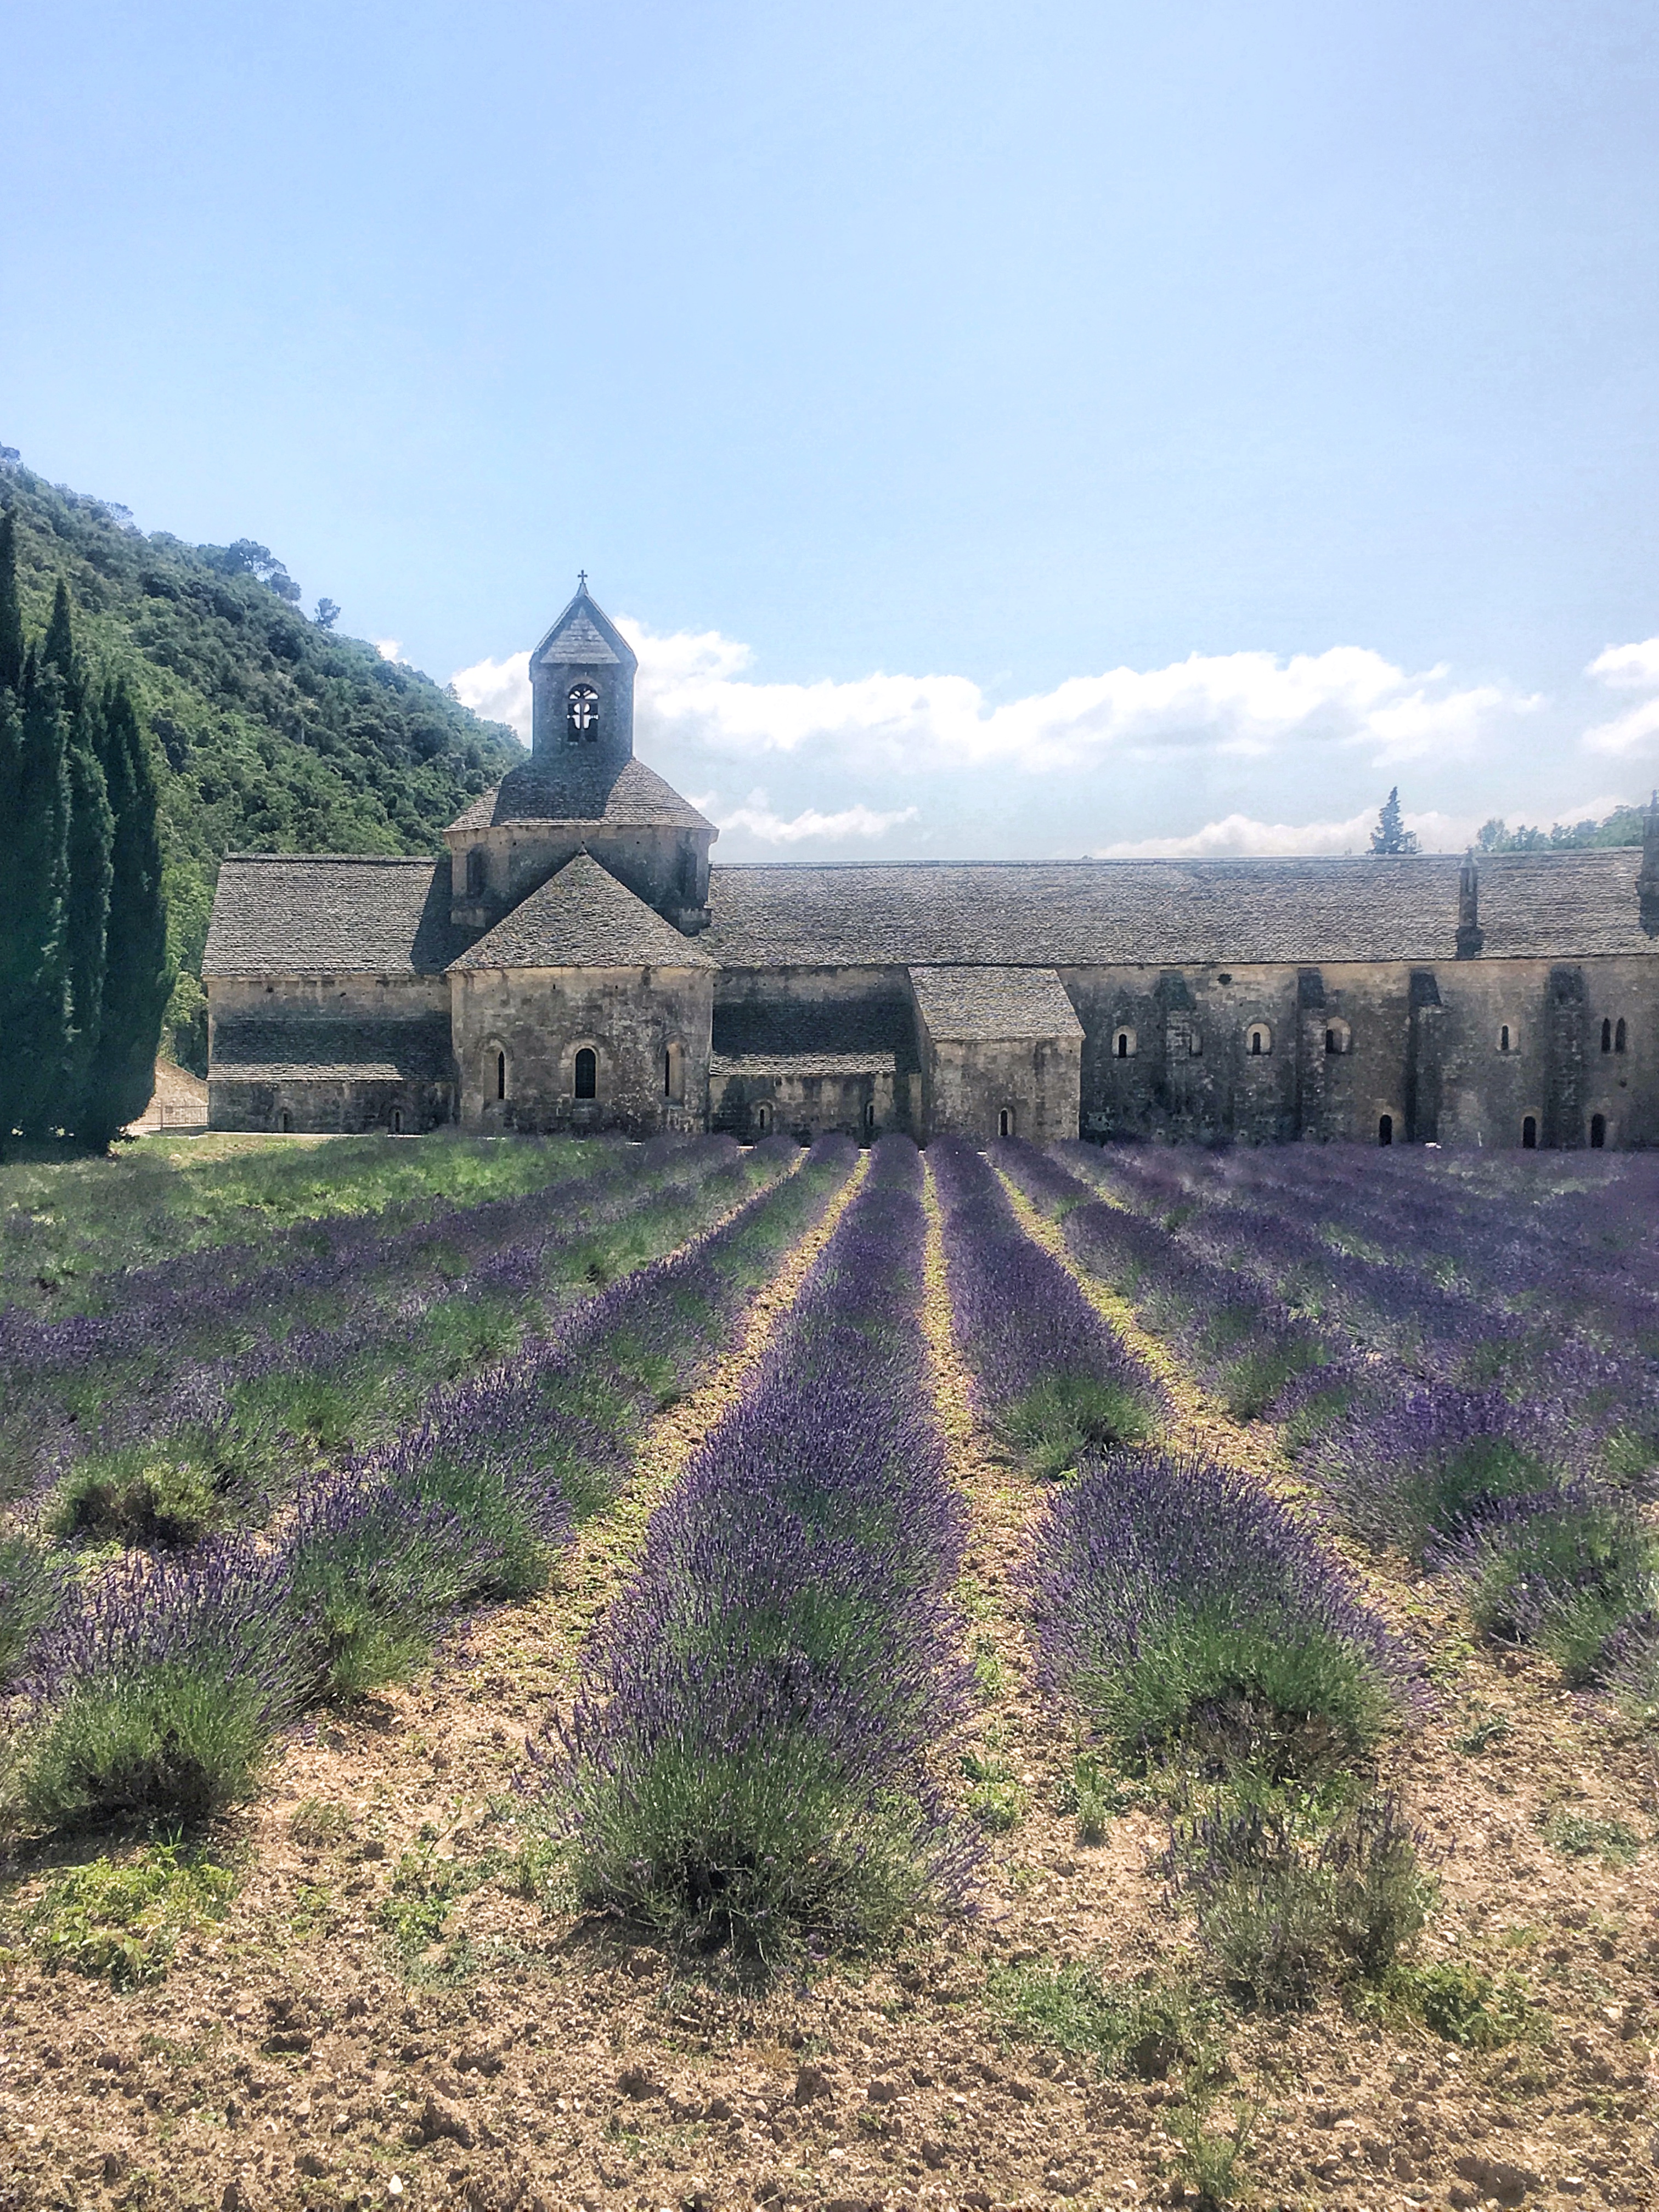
(1647, 880)
(1471, 938)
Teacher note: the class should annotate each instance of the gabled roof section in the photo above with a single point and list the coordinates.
(330, 913)
(1074, 913)
(982, 1003)
(638, 799)
(585, 635)
(583, 918)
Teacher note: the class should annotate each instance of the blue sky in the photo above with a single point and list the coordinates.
(1011, 430)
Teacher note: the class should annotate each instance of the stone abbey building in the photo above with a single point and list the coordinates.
(575, 963)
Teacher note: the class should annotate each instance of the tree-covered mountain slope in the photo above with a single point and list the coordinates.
(271, 733)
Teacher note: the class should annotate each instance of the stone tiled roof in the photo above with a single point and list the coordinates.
(320, 913)
(993, 1002)
(299, 1047)
(583, 918)
(584, 633)
(637, 799)
(800, 1063)
(1063, 913)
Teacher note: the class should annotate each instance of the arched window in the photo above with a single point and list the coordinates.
(1598, 1132)
(1337, 1037)
(1258, 1039)
(1005, 1121)
(1529, 1134)
(1607, 1037)
(1504, 1040)
(397, 1121)
(1123, 1045)
(500, 1075)
(870, 1114)
(582, 714)
(285, 1121)
(1385, 1129)
(475, 871)
(1618, 1035)
(1195, 1042)
(673, 1075)
(763, 1115)
(587, 1072)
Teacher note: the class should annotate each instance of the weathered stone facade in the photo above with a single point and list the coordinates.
(574, 961)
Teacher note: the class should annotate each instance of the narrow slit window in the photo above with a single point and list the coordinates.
(587, 1072)
(397, 1121)
(870, 1114)
(285, 1121)
(673, 1075)
(1504, 1038)
(1618, 1035)
(500, 1075)
(1123, 1045)
(1005, 1121)
(1607, 1037)
(764, 1116)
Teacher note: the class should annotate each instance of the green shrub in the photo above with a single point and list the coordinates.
(143, 1494)
(1064, 1416)
(177, 1740)
(1462, 2004)
(31, 1586)
(1286, 1909)
(1094, 1794)
(1282, 1697)
(121, 1920)
(759, 1859)
(1567, 1580)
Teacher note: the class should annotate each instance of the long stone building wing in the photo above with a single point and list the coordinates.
(574, 961)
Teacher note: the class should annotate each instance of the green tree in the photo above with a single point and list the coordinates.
(138, 975)
(11, 612)
(91, 838)
(1391, 835)
(34, 980)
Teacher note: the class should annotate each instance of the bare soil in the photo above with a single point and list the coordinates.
(296, 2057)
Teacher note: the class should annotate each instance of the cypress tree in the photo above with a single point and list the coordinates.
(138, 976)
(91, 836)
(34, 987)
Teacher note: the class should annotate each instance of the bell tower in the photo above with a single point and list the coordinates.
(581, 683)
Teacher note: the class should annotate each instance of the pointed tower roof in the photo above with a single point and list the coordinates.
(583, 918)
(585, 637)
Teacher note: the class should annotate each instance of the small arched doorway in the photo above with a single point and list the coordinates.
(587, 1072)
(1529, 1134)
(1598, 1132)
(1385, 1128)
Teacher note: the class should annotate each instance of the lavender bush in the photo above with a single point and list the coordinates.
(747, 1767)
(1185, 1612)
(1051, 1377)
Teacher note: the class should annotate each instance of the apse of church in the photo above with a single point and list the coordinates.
(574, 961)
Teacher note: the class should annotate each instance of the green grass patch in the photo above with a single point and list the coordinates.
(1462, 2004)
(1579, 1837)
(121, 1920)
(1147, 2026)
(155, 1494)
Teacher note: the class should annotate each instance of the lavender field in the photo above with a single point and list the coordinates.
(1168, 1637)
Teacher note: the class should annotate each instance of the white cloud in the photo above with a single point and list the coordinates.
(499, 691)
(694, 689)
(389, 648)
(1627, 668)
(1239, 836)
(757, 816)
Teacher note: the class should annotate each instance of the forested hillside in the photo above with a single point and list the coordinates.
(271, 733)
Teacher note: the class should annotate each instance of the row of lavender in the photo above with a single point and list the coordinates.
(1521, 1472)
(164, 1447)
(153, 1690)
(750, 1764)
(1197, 1636)
(1050, 1378)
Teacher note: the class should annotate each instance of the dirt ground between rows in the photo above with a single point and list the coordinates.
(296, 2057)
